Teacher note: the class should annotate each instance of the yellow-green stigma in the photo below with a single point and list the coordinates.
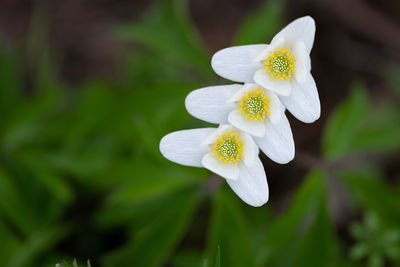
(280, 64)
(254, 105)
(228, 148)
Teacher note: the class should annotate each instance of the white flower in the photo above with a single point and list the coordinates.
(225, 151)
(250, 108)
(283, 67)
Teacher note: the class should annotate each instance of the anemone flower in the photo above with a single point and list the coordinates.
(250, 108)
(226, 151)
(282, 67)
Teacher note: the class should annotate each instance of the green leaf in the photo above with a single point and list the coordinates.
(318, 246)
(10, 243)
(152, 245)
(152, 123)
(280, 240)
(187, 257)
(359, 126)
(378, 132)
(38, 243)
(341, 128)
(373, 193)
(229, 232)
(48, 177)
(169, 32)
(26, 122)
(152, 181)
(374, 238)
(10, 81)
(12, 205)
(217, 262)
(89, 117)
(261, 25)
(141, 182)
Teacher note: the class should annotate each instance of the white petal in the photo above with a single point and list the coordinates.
(229, 171)
(301, 29)
(223, 128)
(247, 87)
(236, 63)
(185, 147)
(211, 103)
(252, 186)
(303, 103)
(278, 142)
(250, 149)
(303, 62)
(280, 87)
(256, 128)
(275, 45)
(276, 109)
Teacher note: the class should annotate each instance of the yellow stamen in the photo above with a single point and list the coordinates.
(280, 64)
(228, 148)
(254, 105)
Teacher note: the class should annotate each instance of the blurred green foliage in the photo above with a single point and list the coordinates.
(358, 125)
(375, 241)
(74, 264)
(95, 149)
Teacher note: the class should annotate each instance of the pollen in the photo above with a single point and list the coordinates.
(254, 105)
(280, 64)
(228, 148)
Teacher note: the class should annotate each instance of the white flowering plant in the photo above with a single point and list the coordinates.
(273, 74)
(81, 172)
(283, 67)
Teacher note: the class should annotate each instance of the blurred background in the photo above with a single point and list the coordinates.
(88, 89)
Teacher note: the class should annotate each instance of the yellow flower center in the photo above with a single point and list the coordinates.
(254, 105)
(280, 64)
(228, 148)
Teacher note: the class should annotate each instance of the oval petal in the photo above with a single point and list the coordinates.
(252, 185)
(303, 102)
(301, 29)
(277, 142)
(185, 147)
(256, 128)
(237, 63)
(250, 149)
(211, 103)
(276, 108)
(229, 171)
(280, 87)
(303, 62)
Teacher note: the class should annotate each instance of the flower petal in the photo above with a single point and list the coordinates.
(250, 149)
(252, 186)
(276, 109)
(236, 63)
(223, 128)
(247, 87)
(301, 29)
(185, 147)
(275, 45)
(256, 128)
(278, 142)
(229, 171)
(303, 102)
(280, 87)
(211, 103)
(303, 62)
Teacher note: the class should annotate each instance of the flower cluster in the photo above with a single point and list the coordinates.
(251, 115)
